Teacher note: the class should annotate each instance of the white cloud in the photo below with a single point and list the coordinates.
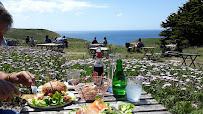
(120, 14)
(44, 6)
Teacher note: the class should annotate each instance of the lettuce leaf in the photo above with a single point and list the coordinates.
(110, 111)
(126, 108)
(73, 111)
(38, 102)
(57, 99)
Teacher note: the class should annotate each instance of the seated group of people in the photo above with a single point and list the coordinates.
(30, 41)
(136, 47)
(62, 40)
(104, 43)
(165, 49)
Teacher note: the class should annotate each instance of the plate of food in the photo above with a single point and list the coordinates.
(54, 94)
(100, 107)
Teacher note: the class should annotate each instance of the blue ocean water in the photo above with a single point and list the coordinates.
(113, 37)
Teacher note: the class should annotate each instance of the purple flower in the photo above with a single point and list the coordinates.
(166, 84)
(183, 88)
(187, 80)
(194, 105)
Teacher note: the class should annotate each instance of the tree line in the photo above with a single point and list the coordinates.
(185, 25)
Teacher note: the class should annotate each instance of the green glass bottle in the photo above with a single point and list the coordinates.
(119, 82)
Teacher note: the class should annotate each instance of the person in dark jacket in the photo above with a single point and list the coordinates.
(47, 39)
(94, 41)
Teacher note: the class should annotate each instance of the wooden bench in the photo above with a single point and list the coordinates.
(52, 46)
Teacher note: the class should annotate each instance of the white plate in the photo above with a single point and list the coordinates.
(54, 107)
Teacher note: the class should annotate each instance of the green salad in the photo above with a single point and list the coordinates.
(56, 99)
(122, 109)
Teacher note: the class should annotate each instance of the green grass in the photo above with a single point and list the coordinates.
(37, 34)
(78, 50)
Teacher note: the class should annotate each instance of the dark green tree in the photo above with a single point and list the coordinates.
(186, 24)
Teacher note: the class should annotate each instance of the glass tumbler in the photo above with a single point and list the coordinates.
(134, 88)
(113, 57)
(73, 75)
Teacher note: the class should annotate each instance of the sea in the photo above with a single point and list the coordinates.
(117, 37)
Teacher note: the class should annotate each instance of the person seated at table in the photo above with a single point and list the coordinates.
(163, 46)
(105, 42)
(127, 45)
(32, 42)
(177, 46)
(47, 39)
(65, 41)
(8, 80)
(138, 45)
(62, 40)
(27, 39)
(95, 41)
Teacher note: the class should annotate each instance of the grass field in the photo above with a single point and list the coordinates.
(78, 49)
(178, 88)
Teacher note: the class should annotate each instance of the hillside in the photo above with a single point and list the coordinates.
(37, 34)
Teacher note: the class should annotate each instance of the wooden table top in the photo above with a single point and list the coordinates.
(146, 105)
(96, 44)
(102, 48)
(189, 54)
(49, 44)
(148, 47)
(171, 45)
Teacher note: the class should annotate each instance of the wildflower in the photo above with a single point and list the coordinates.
(187, 80)
(166, 84)
(194, 105)
(183, 88)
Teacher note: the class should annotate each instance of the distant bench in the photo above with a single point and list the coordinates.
(52, 46)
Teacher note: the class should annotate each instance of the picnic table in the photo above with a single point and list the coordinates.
(103, 50)
(146, 105)
(52, 46)
(191, 56)
(95, 45)
(171, 45)
(148, 49)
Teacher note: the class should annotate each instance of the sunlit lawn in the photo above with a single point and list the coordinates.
(175, 86)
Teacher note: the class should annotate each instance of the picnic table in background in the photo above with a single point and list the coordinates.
(52, 46)
(148, 49)
(147, 105)
(95, 45)
(191, 56)
(171, 45)
(103, 50)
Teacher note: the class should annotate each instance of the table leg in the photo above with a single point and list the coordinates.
(145, 52)
(193, 61)
(152, 53)
(184, 58)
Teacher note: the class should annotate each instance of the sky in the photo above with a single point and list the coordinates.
(85, 15)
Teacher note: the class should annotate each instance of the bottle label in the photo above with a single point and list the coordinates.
(98, 80)
(95, 74)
